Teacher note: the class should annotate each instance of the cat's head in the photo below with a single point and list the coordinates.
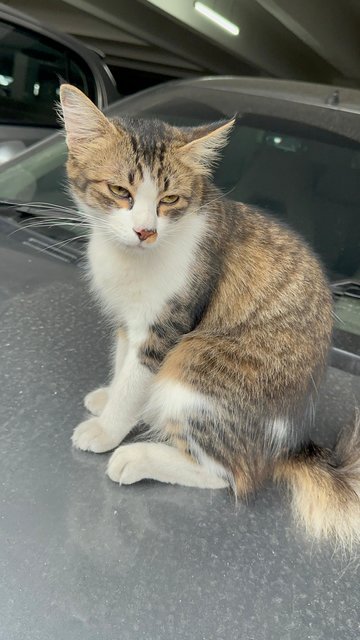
(135, 179)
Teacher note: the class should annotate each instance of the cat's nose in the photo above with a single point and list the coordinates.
(145, 234)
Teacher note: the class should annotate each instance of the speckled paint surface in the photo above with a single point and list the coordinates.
(84, 559)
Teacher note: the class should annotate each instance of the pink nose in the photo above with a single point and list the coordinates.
(145, 234)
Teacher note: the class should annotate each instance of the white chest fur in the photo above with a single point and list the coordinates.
(134, 284)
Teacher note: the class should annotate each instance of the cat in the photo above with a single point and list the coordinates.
(223, 318)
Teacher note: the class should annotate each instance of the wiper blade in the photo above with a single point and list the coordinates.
(8, 203)
(350, 288)
(37, 208)
(45, 218)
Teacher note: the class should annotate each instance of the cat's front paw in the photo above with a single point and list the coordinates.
(91, 436)
(96, 400)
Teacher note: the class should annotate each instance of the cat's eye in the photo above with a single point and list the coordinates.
(169, 199)
(120, 192)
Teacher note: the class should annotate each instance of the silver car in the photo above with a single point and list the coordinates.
(84, 559)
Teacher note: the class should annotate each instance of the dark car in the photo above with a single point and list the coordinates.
(34, 59)
(82, 558)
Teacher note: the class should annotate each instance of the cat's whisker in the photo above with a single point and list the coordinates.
(54, 220)
(61, 243)
(53, 215)
(48, 225)
(47, 206)
(35, 225)
(206, 204)
(52, 205)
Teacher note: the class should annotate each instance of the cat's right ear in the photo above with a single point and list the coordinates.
(83, 121)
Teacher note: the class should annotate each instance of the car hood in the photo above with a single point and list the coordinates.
(139, 561)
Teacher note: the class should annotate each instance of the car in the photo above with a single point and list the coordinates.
(34, 58)
(83, 558)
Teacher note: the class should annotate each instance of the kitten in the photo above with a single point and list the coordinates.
(223, 318)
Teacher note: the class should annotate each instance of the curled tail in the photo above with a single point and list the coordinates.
(325, 487)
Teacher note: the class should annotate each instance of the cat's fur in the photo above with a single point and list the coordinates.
(224, 321)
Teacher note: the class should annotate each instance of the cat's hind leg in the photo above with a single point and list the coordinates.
(157, 461)
(209, 425)
(175, 457)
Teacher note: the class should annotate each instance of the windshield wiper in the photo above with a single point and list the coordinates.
(349, 288)
(47, 219)
(38, 209)
(8, 203)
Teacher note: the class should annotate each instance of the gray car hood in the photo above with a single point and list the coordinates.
(81, 558)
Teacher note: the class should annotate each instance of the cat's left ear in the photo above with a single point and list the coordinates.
(204, 144)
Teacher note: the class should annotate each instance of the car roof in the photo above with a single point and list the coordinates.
(330, 96)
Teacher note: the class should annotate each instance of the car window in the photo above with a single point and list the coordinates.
(31, 67)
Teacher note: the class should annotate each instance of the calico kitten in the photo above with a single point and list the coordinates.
(223, 318)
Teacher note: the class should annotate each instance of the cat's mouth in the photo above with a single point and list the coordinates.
(150, 239)
(147, 239)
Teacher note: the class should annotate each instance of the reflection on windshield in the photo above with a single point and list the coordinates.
(40, 177)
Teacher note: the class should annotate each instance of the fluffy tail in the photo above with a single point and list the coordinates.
(325, 486)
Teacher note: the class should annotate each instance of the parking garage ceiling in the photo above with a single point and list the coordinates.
(315, 40)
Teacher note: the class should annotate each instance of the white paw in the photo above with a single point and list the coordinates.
(128, 464)
(90, 436)
(96, 400)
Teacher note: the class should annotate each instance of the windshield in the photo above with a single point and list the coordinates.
(305, 176)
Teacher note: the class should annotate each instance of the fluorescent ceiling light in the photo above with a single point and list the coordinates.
(217, 18)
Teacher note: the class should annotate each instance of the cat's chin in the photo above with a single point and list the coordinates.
(141, 247)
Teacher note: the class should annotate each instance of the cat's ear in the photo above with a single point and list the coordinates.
(83, 121)
(204, 145)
